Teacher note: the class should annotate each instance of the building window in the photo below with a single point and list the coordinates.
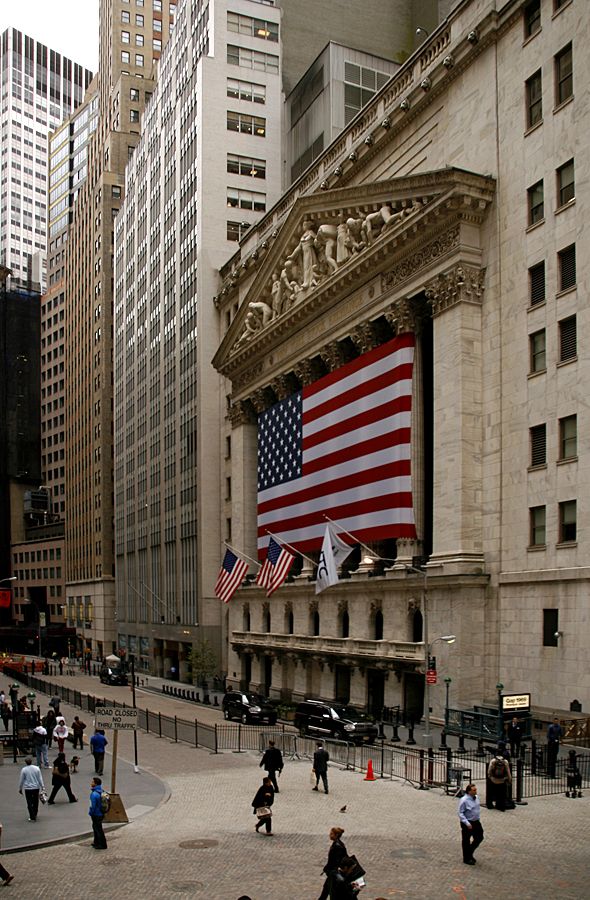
(157, 25)
(268, 31)
(125, 57)
(125, 17)
(537, 526)
(246, 124)
(538, 438)
(139, 59)
(246, 165)
(550, 627)
(157, 5)
(537, 283)
(116, 192)
(567, 339)
(536, 203)
(139, 20)
(537, 347)
(252, 59)
(567, 522)
(568, 437)
(125, 37)
(567, 267)
(238, 199)
(134, 95)
(534, 100)
(564, 75)
(360, 84)
(566, 190)
(532, 18)
(246, 90)
(134, 115)
(237, 230)
(139, 40)
(157, 44)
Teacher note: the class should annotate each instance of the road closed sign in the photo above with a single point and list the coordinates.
(118, 718)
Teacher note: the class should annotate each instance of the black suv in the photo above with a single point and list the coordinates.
(248, 708)
(331, 720)
(109, 675)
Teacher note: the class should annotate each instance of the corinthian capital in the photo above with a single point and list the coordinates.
(462, 284)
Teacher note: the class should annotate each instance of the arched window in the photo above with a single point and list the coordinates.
(378, 626)
(344, 624)
(316, 623)
(266, 620)
(290, 622)
(417, 628)
(246, 618)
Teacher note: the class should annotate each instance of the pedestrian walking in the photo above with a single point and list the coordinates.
(60, 778)
(6, 714)
(40, 746)
(49, 722)
(272, 761)
(321, 758)
(98, 743)
(60, 733)
(96, 814)
(336, 854)
(4, 874)
(2, 697)
(54, 703)
(262, 803)
(31, 782)
(471, 827)
(498, 778)
(554, 735)
(514, 735)
(78, 732)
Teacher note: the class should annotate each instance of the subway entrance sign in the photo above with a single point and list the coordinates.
(118, 718)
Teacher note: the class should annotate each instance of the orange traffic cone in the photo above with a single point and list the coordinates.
(370, 776)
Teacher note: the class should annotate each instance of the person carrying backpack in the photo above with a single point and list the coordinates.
(498, 777)
(97, 813)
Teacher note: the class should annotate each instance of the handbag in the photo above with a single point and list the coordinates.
(43, 796)
(263, 812)
(312, 777)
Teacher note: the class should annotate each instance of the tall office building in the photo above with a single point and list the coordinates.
(132, 35)
(40, 88)
(208, 165)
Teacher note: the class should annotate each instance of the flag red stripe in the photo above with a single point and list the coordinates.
(376, 534)
(324, 488)
(387, 349)
(360, 420)
(362, 448)
(402, 372)
(346, 510)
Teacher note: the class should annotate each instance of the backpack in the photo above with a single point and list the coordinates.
(498, 768)
(105, 802)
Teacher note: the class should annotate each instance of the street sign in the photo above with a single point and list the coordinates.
(431, 676)
(516, 702)
(119, 718)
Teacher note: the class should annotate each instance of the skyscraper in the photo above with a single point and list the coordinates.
(40, 88)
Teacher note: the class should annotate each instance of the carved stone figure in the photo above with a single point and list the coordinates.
(378, 221)
(289, 285)
(325, 244)
(305, 254)
(277, 295)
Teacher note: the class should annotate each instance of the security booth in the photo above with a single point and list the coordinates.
(490, 723)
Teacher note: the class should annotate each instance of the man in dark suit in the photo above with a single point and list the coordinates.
(320, 767)
(272, 761)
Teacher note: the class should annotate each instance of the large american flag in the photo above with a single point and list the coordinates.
(340, 448)
(232, 573)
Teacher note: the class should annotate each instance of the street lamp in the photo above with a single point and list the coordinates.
(447, 686)
(31, 698)
(14, 697)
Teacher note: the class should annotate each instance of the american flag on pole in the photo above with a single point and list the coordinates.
(340, 447)
(232, 573)
(275, 568)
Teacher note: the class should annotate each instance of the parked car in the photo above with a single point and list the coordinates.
(109, 675)
(332, 720)
(248, 708)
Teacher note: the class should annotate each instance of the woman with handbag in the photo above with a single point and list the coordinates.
(262, 804)
(60, 778)
(336, 854)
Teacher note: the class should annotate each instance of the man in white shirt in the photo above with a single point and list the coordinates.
(471, 830)
(31, 781)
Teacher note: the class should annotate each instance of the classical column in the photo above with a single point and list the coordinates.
(243, 477)
(456, 299)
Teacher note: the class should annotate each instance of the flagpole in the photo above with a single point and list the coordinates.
(239, 553)
(355, 539)
(281, 542)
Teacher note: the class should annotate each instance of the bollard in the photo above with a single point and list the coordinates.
(215, 700)
(396, 738)
(443, 740)
(423, 785)
(196, 733)
(449, 764)
(480, 751)
(461, 747)
(520, 781)
(533, 757)
(411, 734)
(175, 729)
(198, 697)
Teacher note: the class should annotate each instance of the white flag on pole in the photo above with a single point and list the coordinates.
(334, 552)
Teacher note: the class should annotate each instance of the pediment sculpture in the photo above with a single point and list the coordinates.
(322, 249)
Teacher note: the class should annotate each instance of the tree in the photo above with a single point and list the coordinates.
(202, 660)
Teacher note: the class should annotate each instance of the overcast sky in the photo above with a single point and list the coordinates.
(68, 26)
